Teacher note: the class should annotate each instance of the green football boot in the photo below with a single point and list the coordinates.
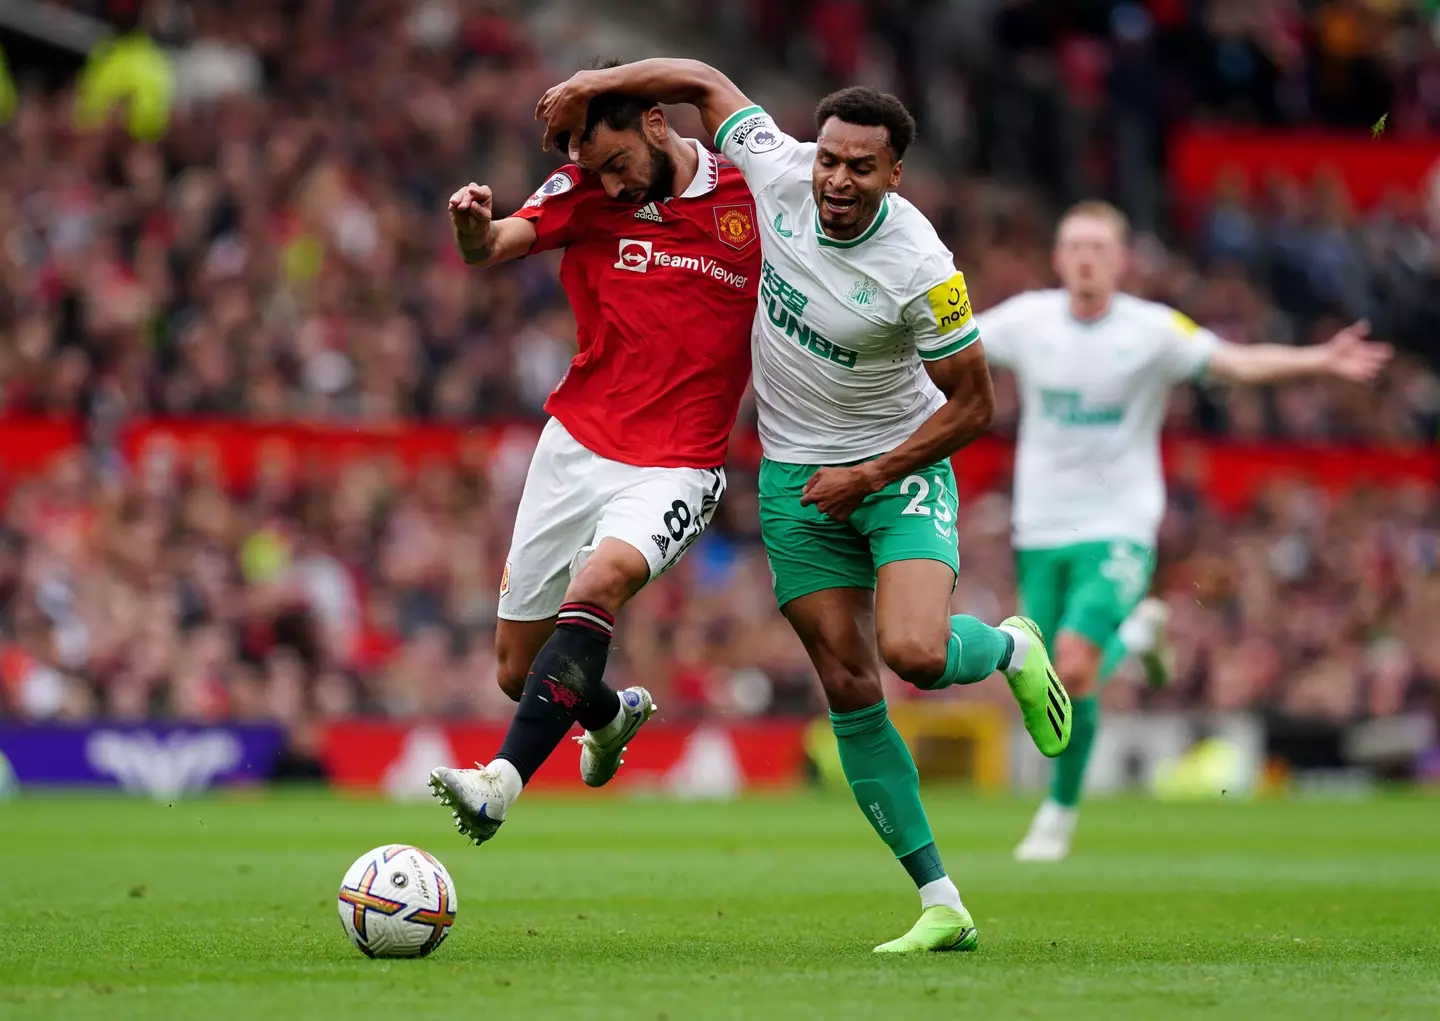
(940, 928)
(1044, 703)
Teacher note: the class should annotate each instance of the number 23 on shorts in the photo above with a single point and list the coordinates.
(929, 496)
(914, 518)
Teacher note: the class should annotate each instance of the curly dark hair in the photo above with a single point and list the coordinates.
(860, 104)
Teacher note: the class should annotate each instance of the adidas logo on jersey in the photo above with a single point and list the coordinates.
(650, 211)
(663, 541)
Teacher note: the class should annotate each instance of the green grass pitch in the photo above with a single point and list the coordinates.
(605, 908)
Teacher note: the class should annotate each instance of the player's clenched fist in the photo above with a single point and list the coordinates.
(471, 210)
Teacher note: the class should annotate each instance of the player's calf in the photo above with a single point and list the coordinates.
(963, 651)
(517, 643)
(610, 576)
(848, 691)
(563, 686)
(565, 683)
(1078, 659)
(918, 638)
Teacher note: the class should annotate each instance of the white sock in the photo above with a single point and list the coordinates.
(510, 782)
(940, 891)
(614, 727)
(1022, 649)
(1137, 634)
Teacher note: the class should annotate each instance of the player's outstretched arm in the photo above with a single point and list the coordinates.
(964, 379)
(663, 79)
(482, 240)
(1347, 355)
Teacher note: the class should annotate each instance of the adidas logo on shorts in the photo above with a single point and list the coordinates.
(650, 211)
(663, 541)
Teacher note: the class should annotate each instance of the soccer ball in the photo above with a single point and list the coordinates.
(397, 901)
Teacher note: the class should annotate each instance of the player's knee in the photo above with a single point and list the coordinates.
(1077, 661)
(609, 578)
(511, 669)
(849, 690)
(915, 658)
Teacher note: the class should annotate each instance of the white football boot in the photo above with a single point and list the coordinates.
(1050, 833)
(476, 798)
(600, 751)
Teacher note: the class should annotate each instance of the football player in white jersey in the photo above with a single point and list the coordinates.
(1094, 369)
(868, 375)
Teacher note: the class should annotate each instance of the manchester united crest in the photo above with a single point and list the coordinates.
(735, 224)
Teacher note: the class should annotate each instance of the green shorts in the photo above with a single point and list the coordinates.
(912, 519)
(1088, 588)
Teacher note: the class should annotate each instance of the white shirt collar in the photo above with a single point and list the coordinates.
(707, 174)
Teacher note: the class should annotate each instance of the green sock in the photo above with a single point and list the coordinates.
(1069, 774)
(976, 651)
(886, 785)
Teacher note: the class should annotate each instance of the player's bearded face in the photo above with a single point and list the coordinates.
(1089, 256)
(658, 177)
(631, 167)
(853, 169)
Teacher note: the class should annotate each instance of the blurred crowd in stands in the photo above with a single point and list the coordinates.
(150, 593)
(269, 244)
(1276, 62)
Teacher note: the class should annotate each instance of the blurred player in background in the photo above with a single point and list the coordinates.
(661, 266)
(1094, 369)
(868, 377)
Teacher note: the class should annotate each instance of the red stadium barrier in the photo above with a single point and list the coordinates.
(1370, 169)
(236, 452)
(31, 446)
(712, 758)
(1232, 475)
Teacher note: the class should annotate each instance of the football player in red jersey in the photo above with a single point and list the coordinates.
(662, 267)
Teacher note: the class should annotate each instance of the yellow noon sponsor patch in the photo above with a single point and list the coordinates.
(951, 304)
(1188, 326)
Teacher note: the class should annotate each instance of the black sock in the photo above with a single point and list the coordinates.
(565, 686)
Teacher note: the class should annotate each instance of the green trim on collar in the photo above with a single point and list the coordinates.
(869, 232)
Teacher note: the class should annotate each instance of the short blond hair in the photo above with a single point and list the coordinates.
(1095, 209)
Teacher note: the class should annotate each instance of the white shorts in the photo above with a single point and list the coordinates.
(573, 498)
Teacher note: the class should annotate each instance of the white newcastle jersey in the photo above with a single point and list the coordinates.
(1092, 404)
(842, 325)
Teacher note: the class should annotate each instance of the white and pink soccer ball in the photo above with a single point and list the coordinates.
(397, 901)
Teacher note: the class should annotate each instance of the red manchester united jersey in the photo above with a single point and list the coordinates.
(664, 295)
